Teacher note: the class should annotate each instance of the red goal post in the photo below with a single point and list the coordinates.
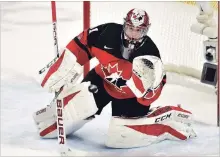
(86, 14)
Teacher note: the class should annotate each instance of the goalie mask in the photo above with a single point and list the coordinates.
(136, 25)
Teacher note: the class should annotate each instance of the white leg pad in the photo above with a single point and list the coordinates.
(79, 104)
(137, 132)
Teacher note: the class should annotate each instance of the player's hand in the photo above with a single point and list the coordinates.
(148, 72)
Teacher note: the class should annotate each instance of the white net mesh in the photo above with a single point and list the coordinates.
(170, 28)
(181, 50)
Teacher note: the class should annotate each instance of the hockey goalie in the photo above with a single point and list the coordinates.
(129, 74)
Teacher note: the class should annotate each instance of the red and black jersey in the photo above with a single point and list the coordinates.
(105, 43)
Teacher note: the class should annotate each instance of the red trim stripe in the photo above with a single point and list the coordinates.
(68, 98)
(157, 130)
(180, 109)
(48, 130)
(53, 69)
(138, 83)
(164, 109)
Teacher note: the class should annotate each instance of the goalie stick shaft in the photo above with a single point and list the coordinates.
(55, 39)
(61, 134)
(54, 20)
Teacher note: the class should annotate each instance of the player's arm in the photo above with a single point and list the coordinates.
(78, 46)
(154, 92)
(81, 45)
(148, 76)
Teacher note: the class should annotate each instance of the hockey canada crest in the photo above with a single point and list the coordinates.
(114, 76)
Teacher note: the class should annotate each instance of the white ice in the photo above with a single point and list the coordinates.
(27, 45)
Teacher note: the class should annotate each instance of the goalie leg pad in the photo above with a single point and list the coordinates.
(79, 104)
(166, 123)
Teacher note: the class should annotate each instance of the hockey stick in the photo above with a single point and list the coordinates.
(54, 19)
(48, 65)
(56, 51)
(61, 134)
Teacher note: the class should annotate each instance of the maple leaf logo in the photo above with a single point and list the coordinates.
(113, 75)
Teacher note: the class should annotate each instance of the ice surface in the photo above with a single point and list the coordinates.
(27, 45)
